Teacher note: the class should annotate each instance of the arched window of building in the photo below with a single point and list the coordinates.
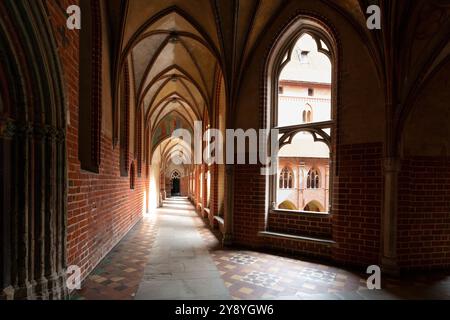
(286, 179)
(313, 179)
(307, 115)
(90, 85)
(175, 175)
(305, 57)
(125, 120)
(132, 176)
(138, 142)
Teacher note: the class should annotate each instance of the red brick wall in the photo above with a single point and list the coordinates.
(302, 248)
(249, 205)
(101, 207)
(424, 213)
(358, 203)
(301, 224)
(354, 225)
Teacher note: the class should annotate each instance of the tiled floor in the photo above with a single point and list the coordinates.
(118, 276)
(173, 255)
(180, 265)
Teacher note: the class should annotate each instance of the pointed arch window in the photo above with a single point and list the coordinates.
(305, 56)
(90, 87)
(313, 179)
(307, 114)
(286, 179)
(175, 175)
(125, 121)
(132, 176)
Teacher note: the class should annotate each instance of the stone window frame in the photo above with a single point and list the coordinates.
(279, 55)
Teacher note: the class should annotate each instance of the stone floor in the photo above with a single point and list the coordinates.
(172, 254)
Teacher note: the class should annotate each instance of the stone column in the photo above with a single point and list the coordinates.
(389, 220)
(6, 184)
(21, 207)
(33, 258)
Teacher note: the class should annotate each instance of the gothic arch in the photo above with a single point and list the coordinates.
(278, 56)
(314, 206)
(287, 205)
(33, 164)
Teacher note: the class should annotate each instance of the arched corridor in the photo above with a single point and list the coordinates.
(216, 149)
(173, 254)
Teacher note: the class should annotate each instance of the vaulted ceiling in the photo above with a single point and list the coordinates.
(178, 47)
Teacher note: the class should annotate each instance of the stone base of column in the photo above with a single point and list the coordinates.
(7, 293)
(227, 240)
(389, 266)
(24, 292)
(57, 288)
(53, 288)
(41, 289)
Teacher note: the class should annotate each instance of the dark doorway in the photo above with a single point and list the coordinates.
(175, 187)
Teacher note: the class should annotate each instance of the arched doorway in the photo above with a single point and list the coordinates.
(175, 182)
(33, 178)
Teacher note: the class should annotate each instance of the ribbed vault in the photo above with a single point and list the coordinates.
(179, 50)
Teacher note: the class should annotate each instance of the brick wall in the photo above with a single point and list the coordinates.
(355, 223)
(301, 224)
(424, 213)
(358, 203)
(299, 248)
(101, 207)
(249, 203)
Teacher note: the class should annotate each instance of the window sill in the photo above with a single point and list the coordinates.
(219, 220)
(276, 235)
(305, 213)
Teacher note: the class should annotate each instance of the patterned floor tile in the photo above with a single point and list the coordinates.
(262, 279)
(243, 259)
(118, 275)
(317, 275)
(250, 275)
